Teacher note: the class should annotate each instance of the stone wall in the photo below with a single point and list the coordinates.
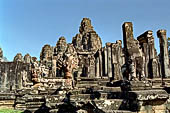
(13, 75)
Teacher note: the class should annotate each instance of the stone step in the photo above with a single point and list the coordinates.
(33, 106)
(139, 95)
(34, 103)
(111, 89)
(159, 80)
(20, 106)
(78, 91)
(86, 85)
(88, 82)
(32, 110)
(20, 101)
(43, 92)
(21, 109)
(95, 95)
(136, 85)
(140, 88)
(80, 97)
(7, 102)
(113, 104)
(11, 97)
(54, 111)
(54, 98)
(103, 83)
(140, 84)
(7, 94)
(119, 111)
(93, 79)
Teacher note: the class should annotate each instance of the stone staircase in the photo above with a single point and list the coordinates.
(93, 94)
(31, 102)
(90, 96)
(7, 100)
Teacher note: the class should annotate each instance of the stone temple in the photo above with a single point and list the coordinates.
(85, 77)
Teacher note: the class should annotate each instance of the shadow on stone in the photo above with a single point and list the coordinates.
(115, 83)
(27, 111)
(167, 89)
(92, 108)
(129, 97)
(43, 109)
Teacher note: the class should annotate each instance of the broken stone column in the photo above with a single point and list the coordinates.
(146, 41)
(132, 52)
(164, 55)
(116, 61)
(128, 35)
(129, 48)
(109, 60)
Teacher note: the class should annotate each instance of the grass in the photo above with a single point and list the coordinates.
(10, 111)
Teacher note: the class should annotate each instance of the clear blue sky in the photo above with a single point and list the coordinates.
(26, 25)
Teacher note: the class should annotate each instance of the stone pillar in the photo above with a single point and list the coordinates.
(164, 56)
(127, 34)
(146, 51)
(109, 59)
(100, 63)
(115, 61)
(97, 67)
(130, 48)
(92, 66)
(105, 61)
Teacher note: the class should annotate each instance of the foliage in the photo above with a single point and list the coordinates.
(10, 111)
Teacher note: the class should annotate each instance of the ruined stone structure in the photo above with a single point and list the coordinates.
(1, 54)
(164, 55)
(85, 77)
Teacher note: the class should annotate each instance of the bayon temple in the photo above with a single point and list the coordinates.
(126, 76)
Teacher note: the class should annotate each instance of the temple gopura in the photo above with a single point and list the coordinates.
(84, 77)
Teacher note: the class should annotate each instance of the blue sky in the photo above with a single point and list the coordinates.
(27, 25)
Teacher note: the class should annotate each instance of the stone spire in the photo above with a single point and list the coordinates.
(46, 53)
(61, 46)
(27, 58)
(85, 26)
(18, 58)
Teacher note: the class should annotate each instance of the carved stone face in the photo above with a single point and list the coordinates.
(46, 52)
(18, 57)
(119, 42)
(27, 58)
(86, 22)
(70, 49)
(61, 44)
